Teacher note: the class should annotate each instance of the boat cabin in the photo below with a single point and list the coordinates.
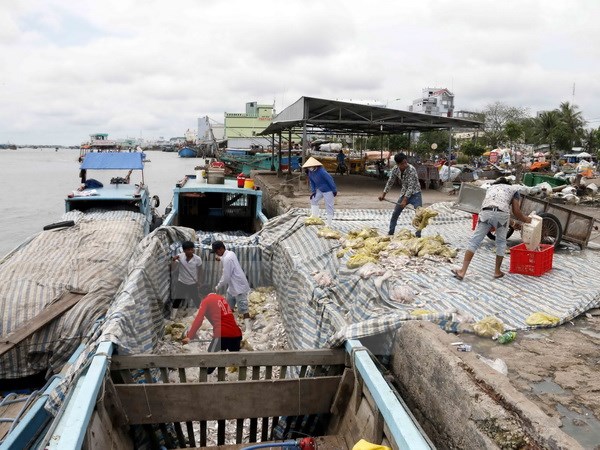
(217, 207)
(116, 191)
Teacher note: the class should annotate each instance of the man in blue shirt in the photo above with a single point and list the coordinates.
(322, 186)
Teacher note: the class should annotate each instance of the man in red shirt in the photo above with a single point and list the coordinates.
(227, 335)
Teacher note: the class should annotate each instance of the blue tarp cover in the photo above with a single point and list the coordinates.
(113, 160)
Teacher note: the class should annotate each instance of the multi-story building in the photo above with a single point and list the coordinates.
(241, 129)
(434, 101)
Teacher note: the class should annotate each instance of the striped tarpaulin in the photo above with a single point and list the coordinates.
(354, 307)
(286, 254)
(90, 257)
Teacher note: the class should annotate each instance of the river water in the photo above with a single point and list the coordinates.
(35, 182)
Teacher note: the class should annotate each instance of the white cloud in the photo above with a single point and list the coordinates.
(128, 67)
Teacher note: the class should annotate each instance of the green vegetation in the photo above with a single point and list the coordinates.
(559, 129)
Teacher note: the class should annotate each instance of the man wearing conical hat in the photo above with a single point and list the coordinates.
(322, 186)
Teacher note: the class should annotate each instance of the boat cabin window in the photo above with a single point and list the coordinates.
(85, 205)
(217, 211)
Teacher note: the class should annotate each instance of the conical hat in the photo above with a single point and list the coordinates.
(311, 162)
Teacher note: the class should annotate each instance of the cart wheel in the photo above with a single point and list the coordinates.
(551, 229)
(492, 234)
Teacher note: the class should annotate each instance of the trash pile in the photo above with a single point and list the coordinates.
(267, 333)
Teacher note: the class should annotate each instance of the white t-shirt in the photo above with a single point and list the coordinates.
(500, 196)
(188, 270)
(233, 275)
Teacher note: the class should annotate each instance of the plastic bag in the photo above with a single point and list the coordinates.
(421, 312)
(540, 318)
(488, 327)
(364, 445)
(496, 364)
(313, 221)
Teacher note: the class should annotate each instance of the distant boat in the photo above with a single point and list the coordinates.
(187, 152)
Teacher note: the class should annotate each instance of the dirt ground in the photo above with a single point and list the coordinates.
(557, 368)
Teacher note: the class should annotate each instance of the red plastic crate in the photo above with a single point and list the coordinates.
(475, 220)
(528, 262)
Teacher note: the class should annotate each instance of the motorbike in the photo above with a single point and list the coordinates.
(342, 168)
(380, 166)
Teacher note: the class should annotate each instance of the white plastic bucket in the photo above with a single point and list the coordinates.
(531, 233)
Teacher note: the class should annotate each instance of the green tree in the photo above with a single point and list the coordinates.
(472, 149)
(497, 115)
(439, 137)
(571, 128)
(399, 141)
(514, 131)
(590, 139)
(546, 129)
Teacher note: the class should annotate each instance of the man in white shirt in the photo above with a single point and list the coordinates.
(235, 279)
(189, 277)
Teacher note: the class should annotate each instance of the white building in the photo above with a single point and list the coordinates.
(434, 101)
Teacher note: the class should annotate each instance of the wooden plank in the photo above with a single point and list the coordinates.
(164, 376)
(66, 301)
(323, 443)
(265, 421)
(189, 425)
(236, 359)
(254, 421)
(341, 400)
(239, 430)
(144, 403)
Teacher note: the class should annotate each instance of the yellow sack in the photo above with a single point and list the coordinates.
(421, 312)
(313, 221)
(488, 327)
(364, 445)
(540, 318)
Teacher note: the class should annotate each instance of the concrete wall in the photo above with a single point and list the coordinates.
(462, 403)
(273, 187)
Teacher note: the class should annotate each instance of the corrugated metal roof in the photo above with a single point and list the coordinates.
(352, 118)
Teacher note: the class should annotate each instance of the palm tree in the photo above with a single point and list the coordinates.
(546, 129)
(571, 124)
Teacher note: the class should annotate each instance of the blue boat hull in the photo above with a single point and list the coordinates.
(187, 152)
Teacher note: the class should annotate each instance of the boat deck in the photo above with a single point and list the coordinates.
(10, 409)
(110, 192)
(230, 186)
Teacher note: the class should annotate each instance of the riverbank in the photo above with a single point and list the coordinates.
(554, 368)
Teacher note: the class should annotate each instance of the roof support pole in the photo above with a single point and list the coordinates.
(279, 154)
(290, 151)
(304, 147)
(272, 153)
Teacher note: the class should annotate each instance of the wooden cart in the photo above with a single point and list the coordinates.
(559, 222)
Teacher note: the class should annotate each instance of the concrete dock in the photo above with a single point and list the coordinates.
(551, 395)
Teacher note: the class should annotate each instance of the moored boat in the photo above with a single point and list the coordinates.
(219, 207)
(59, 283)
(188, 152)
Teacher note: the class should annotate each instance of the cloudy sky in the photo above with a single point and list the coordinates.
(150, 68)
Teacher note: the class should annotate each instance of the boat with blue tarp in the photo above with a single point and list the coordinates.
(60, 282)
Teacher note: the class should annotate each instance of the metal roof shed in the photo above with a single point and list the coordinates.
(309, 114)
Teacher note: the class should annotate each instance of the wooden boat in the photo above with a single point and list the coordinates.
(188, 152)
(215, 207)
(117, 194)
(244, 161)
(335, 397)
(51, 303)
(354, 161)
